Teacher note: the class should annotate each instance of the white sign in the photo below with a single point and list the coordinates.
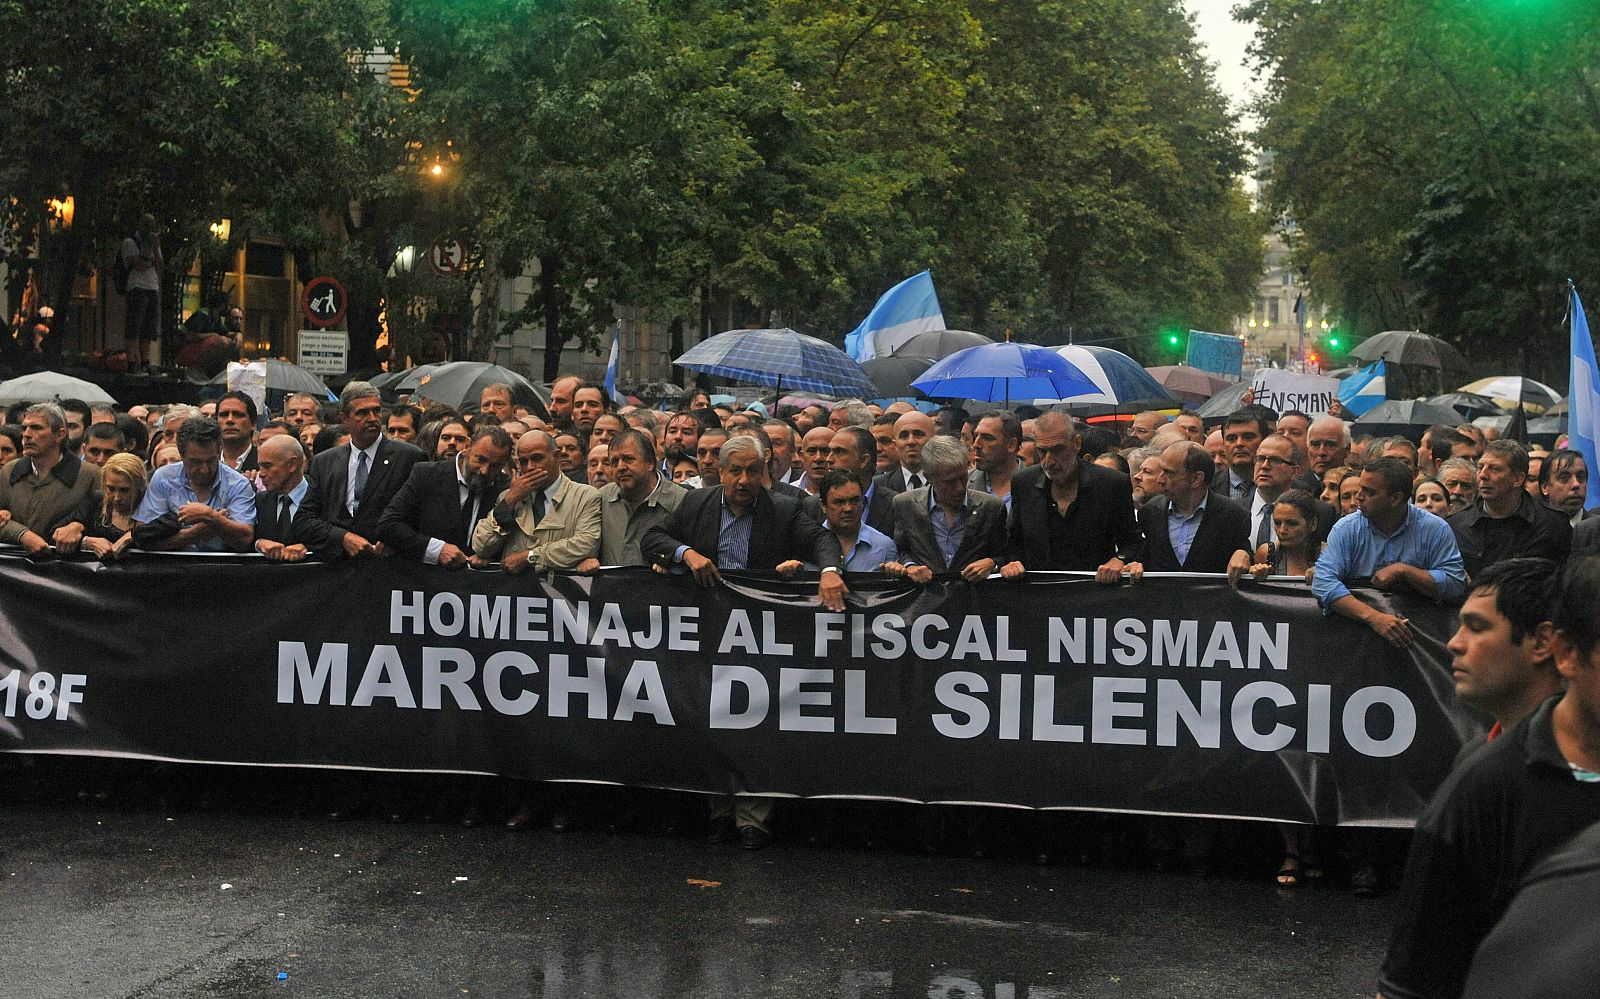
(1281, 391)
(324, 352)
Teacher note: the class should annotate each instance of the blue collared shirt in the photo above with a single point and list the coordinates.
(1356, 550)
(872, 549)
(169, 490)
(948, 535)
(1181, 530)
(733, 539)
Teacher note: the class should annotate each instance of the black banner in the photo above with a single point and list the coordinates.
(1177, 695)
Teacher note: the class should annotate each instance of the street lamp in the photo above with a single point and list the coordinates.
(221, 229)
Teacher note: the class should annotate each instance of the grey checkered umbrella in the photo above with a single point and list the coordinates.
(782, 358)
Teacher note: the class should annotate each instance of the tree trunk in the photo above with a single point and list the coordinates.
(553, 338)
(675, 348)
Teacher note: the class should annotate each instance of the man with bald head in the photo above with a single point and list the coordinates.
(1145, 426)
(911, 431)
(281, 472)
(1191, 427)
(1328, 441)
(816, 449)
(543, 520)
(561, 393)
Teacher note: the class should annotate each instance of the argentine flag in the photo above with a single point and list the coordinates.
(1364, 389)
(612, 366)
(1583, 396)
(909, 308)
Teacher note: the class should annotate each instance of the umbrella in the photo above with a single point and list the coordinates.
(1118, 378)
(284, 377)
(1188, 384)
(894, 374)
(1224, 402)
(411, 378)
(940, 343)
(386, 381)
(50, 386)
(999, 371)
(1509, 390)
(460, 384)
(779, 358)
(1470, 405)
(1404, 418)
(1546, 429)
(1410, 347)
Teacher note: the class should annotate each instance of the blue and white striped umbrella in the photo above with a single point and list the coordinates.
(782, 358)
(1117, 377)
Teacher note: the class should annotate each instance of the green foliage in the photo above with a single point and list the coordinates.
(1439, 158)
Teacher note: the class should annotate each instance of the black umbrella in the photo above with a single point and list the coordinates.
(1410, 347)
(1406, 418)
(894, 374)
(940, 343)
(1545, 429)
(1470, 405)
(460, 384)
(1224, 402)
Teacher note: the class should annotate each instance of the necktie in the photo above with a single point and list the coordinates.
(283, 518)
(1264, 529)
(914, 481)
(361, 479)
(538, 507)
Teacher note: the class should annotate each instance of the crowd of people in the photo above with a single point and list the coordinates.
(853, 487)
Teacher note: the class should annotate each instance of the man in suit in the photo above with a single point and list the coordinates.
(431, 519)
(1070, 515)
(543, 519)
(946, 527)
(1276, 463)
(349, 486)
(1242, 433)
(775, 483)
(853, 449)
(281, 467)
(236, 415)
(741, 525)
(1189, 528)
(996, 442)
(911, 432)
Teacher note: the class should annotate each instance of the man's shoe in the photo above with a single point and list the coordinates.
(519, 822)
(754, 837)
(721, 831)
(562, 821)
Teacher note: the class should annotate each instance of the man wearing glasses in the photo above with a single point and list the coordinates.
(1277, 461)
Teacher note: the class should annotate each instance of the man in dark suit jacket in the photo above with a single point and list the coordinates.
(1242, 433)
(336, 517)
(740, 525)
(281, 463)
(430, 520)
(1068, 514)
(854, 450)
(969, 534)
(911, 432)
(1189, 528)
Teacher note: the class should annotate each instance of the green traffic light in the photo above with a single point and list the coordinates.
(1333, 342)
(1173, 339)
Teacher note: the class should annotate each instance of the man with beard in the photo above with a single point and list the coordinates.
(1459, 476)
(432, 517)
(679, 440)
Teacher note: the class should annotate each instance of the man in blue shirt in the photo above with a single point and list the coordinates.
(864, 549)
(1391, 544)
(212, 506)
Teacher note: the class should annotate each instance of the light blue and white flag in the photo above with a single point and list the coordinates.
(1364, 389)
(1583, 396)
(909, 308)
(612, 367)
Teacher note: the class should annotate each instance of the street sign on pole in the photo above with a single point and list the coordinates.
(447, 257)
(324, 352)
(324, 301)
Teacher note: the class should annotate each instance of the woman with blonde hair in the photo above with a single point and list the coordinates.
(123, 481)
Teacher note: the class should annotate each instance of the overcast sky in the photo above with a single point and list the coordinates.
(1225, 40)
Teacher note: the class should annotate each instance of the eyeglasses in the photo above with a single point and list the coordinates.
(1272, 459)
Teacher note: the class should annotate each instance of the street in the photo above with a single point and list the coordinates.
(108, 902)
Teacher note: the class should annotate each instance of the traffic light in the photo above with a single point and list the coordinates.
(1172, 339)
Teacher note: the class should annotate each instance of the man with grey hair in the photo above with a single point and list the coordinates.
(281, 473)
(1506, 522)
(1072, 515)
(1460, 480)
(350, 485)
(740, 525)
(946, 527)
(48, 495)
(850, 413)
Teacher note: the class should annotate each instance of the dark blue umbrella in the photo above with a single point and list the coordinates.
(1005, 371)
(782, 358)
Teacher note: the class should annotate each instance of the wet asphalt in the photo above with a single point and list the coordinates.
(99, 900)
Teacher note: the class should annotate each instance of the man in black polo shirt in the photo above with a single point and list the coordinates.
(1501, 810)
(1506, 522)
(1069, 515)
